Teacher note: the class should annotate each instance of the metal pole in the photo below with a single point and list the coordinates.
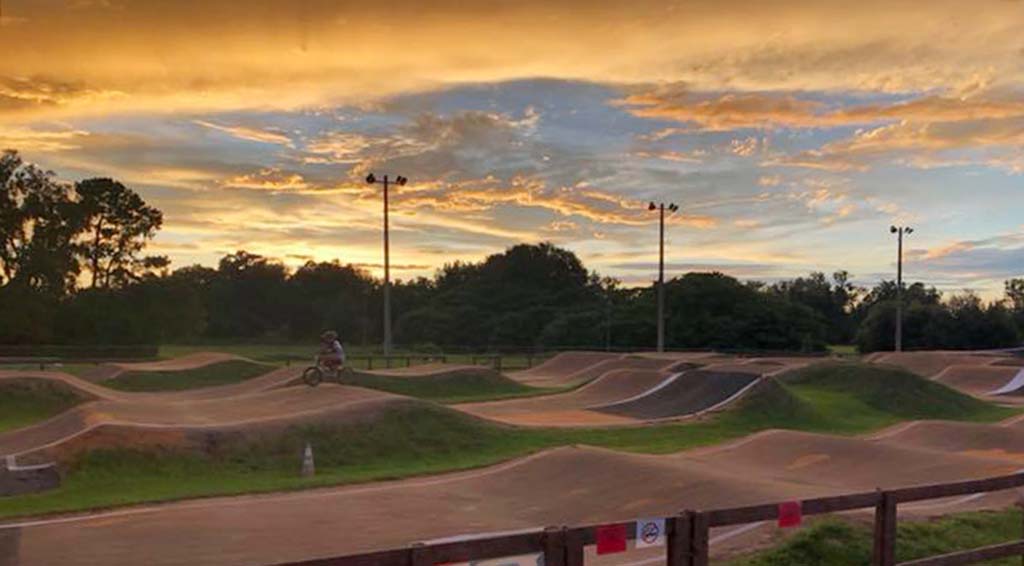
(661, 279)
(899, 292)
(387, 275)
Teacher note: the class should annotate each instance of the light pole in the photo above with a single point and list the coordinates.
(661, 268)
(400, 181)
(900, 231)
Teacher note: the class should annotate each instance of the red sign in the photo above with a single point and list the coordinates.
(611, 539)
(790, 514)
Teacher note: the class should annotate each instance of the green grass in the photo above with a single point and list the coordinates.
(27, 401)
(223, 373)
(843, 349)
(461, 386)
(421, 438)
(835, 542)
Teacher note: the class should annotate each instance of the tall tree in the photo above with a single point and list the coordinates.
(118, 225)
(38, 226)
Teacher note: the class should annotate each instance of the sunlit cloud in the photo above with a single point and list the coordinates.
(250, 134)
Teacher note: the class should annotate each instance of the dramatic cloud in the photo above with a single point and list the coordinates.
(790, 132)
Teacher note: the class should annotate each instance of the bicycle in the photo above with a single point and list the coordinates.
(319, 372)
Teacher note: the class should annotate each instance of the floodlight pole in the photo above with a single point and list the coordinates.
(661, 278)
(661, 267)
(400, 180)
(900, 231)
(387, 274)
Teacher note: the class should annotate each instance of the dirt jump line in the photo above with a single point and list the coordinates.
(210, 426)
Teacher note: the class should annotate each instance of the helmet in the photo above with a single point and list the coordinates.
(329, 335)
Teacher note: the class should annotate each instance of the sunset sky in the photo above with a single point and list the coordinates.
(791, 134)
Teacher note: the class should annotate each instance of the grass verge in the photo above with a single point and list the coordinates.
(420, 438)
(837, 542)
(27, 401)
(223, 373)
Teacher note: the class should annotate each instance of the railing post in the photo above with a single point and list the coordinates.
(573, 547)
(679, 545)
(699, 540)
(885, 531)
(554, 546)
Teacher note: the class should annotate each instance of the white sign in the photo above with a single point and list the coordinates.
(650, 532)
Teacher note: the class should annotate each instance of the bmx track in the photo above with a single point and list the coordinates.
(559, 486)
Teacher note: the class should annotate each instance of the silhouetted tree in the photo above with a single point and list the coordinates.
(118, 224)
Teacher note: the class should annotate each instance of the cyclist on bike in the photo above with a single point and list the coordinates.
(332, 355)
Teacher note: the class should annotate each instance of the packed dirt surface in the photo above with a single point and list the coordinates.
(978, 380)
(273, 379)
(609, 388)
(561, 486)
(688, 393)
(560, 366)
(928, 364)
(104, 372)
(56, 438)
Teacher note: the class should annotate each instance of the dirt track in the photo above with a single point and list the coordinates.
(928, 364)
(272, 379)
(977, 380)
(152, 415)
(191, 361)
(613, 386)
(690, 392)
(562, 486)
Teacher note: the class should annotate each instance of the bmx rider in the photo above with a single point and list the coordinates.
(332, 355)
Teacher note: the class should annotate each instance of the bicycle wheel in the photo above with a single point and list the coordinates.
(312, 376)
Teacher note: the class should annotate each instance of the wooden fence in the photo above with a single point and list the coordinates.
(687, 534)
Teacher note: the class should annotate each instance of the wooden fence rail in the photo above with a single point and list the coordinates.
(687, 533)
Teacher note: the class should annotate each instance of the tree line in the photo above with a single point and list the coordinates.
(73, 270)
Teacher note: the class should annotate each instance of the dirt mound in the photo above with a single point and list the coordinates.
(616, 385)
(556, 370)
(977, 380)
(104, 372)
(688, 393)
(928, 364)
(622, 363)
(971, 439)
(271, 380)
(423, 370)
(58, 436)
(847, 463)
(1013, 361)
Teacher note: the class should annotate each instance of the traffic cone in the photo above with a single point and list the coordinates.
(308, 467)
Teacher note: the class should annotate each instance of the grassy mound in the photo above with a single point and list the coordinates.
(871, 396)
(223, 373)
(27, 401)
(840, 543)
(456, 386)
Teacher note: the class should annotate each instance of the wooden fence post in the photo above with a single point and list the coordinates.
(679, 546)
(573, 547)
(554, 546)
(885, 531)
(419, 555)
(699, 540)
